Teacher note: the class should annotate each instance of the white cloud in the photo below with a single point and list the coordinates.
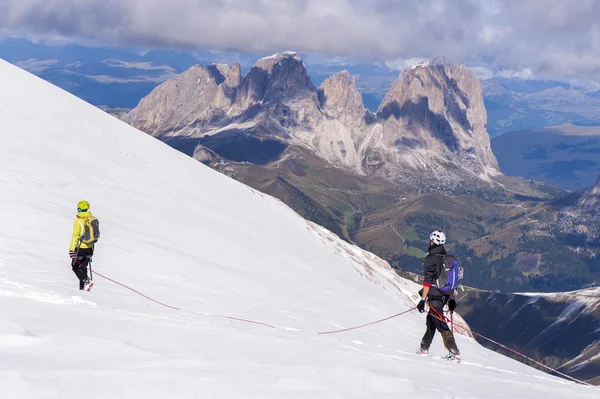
(35, 65)
(402, 63)
(558, 38)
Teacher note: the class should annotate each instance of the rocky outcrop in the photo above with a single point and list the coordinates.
(234, 76)
(204, 155)
(290, 97)
(177, 103)
(342, 130)
(433, 119)
(340, 99)
(225, 95)
(278, 94)
(578, 218)
(184, 105)
(435, 112)
(591, 197)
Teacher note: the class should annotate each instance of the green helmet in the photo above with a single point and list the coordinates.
(83, 206)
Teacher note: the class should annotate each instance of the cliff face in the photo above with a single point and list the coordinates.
(435, 112)
(428, 132)
(178, 102)
(340, 99)
(591, 197)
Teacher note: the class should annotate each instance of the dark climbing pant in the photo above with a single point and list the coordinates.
(80, 265)
(434, 323)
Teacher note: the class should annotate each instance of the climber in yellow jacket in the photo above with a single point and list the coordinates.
(85, 234)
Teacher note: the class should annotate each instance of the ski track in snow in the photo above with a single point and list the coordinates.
(192, 238)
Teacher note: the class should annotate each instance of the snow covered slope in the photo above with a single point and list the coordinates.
(197, 240)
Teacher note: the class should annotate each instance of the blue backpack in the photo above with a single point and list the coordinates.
(449, 276)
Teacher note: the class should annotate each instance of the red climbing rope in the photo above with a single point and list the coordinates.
(368, 324)
(169, 306)
(137, 292)
(129, 288)
(246, 321)
(432, 312)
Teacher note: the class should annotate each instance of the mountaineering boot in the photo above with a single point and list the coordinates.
(452, 357)
(450, 344)
(87, 285)
(422, 352)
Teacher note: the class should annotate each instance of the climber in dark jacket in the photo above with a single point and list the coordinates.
(432, 266)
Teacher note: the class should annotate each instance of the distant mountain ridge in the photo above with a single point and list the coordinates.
(566, 155)
(520, 104)
(101, 76)
(428, 133)
(560, 329)
(120, 77)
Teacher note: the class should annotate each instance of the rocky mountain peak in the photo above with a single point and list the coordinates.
(234, 76)
(223, 69)
(339, 97)
(279, 71)
(279, 86)
(178, 102)
(268, 63)
(591, 197)
(494, 88)
(218, 72)
(433, 118)
(596, 187)
(439, 108)
(287, 73)
(230, 80)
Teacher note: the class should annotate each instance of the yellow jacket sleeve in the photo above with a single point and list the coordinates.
(77, 231)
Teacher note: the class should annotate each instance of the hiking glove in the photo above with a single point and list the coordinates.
(72, 254)
(451, 304)
(421, 306)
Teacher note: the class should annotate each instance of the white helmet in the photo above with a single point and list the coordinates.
(438, 237)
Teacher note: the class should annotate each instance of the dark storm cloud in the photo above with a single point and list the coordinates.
(554, 37)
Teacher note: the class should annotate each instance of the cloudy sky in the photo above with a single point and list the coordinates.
(541, 38)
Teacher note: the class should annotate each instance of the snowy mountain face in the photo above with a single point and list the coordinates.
(433, 118)
(196, 240)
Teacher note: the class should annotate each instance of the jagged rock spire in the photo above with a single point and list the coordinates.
(340, 98)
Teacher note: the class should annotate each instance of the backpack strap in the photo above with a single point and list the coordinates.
(438, 270)
(441, 266)
(82, 233)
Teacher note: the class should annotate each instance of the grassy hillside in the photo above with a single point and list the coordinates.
(508, 247)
